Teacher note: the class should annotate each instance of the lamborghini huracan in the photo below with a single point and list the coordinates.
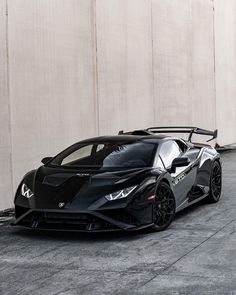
(131, 181)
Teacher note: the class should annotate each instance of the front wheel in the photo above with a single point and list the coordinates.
(163, 208)
(215, 183)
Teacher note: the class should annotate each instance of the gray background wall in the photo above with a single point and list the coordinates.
(71, 69)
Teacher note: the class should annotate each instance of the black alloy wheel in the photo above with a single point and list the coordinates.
(215, 183)
(163, 208)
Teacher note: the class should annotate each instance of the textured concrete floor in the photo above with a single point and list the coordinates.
(196, 255)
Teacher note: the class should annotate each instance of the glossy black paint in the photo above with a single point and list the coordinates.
(74, 199)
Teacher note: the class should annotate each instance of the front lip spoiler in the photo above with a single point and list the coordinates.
(134, 229)
(121, 226)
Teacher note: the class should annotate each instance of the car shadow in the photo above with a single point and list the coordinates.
(82, 236)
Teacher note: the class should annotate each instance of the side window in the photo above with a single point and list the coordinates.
(100, 147)
(182, 146)
(168, 152)
(159, 163)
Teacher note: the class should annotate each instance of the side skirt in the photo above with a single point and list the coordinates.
(186, 203)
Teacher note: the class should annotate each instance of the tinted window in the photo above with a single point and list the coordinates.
(113, 155)
(168, 152)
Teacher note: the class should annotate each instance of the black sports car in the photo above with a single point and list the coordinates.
(129, 181)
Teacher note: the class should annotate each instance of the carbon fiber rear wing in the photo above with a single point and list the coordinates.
(184, 129)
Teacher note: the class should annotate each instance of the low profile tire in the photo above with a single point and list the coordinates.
(163, 208)
(215, 183)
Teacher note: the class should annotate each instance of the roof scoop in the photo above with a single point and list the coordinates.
(136, 132)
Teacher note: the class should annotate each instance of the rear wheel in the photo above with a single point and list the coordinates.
(215, 183)
(163, 208)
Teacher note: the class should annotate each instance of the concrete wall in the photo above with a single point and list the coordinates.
(183, 62)
(155, 63)
(225, 52)
(5, 138)
(79, 68)
(52, 79)
(124, 64)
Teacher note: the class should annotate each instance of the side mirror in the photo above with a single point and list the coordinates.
(179, 162)
(46, 160)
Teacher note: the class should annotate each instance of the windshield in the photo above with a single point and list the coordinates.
(107, 155)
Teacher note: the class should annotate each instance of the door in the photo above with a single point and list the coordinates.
(184, 177)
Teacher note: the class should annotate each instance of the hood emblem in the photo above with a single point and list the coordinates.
(61, 205)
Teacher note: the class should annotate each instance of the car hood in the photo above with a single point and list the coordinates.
(79, 189)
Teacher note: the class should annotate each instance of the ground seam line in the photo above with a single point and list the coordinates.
(207, 239)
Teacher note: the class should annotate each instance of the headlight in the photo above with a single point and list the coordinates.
(120, 194)
(26, 192)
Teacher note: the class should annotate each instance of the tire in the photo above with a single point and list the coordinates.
(215, 183)
(163, 208)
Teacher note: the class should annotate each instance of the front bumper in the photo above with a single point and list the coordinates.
(81, 221)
